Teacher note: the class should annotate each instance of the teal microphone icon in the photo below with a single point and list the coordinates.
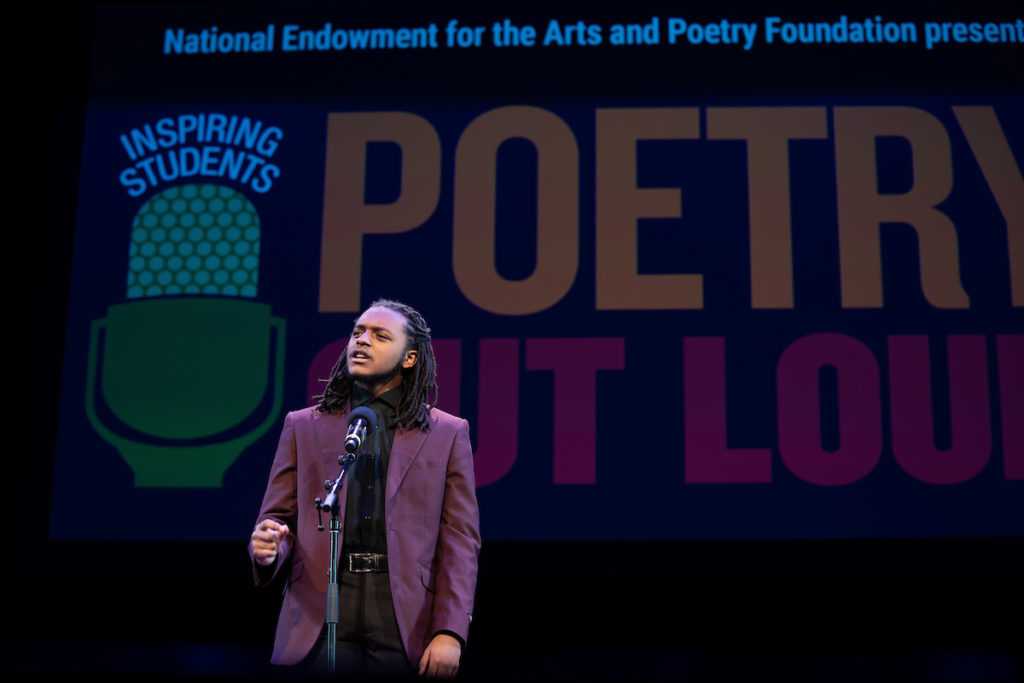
(186, 359)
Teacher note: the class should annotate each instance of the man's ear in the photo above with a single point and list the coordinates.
(410, 359)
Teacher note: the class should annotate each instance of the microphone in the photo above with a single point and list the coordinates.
(361, 423)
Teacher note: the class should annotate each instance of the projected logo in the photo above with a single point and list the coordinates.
(182, 367)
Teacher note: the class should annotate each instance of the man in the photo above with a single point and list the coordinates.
(409, 515)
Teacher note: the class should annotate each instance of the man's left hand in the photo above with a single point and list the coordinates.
(441, 658)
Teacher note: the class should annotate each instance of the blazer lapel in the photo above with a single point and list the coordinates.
(404, 449)
(330, 430)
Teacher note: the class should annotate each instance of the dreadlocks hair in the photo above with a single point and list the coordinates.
(420, 381)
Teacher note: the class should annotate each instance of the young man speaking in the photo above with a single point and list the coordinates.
(409, 515)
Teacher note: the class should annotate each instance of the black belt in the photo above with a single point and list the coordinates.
(361, 563)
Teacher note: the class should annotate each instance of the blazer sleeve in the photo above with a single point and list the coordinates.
(279, 502)
(458, 546)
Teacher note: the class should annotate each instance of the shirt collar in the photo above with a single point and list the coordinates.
(386, 404)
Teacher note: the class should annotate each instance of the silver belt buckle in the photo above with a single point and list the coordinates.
(366, 556)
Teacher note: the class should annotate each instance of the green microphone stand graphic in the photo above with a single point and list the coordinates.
(187, 358)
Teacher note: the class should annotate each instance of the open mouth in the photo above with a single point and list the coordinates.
(359, 357)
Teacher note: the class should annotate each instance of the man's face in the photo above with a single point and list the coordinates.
(376, 349)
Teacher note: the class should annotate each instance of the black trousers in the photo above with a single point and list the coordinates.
(369, 644)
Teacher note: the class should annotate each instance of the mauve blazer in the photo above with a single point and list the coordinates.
(433, 528)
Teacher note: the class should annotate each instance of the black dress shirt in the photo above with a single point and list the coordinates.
(365, 527)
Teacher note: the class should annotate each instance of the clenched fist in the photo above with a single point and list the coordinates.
(266, 539)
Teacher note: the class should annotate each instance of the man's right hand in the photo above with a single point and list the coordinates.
(266, 538)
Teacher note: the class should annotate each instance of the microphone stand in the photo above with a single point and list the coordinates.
(330, 503)
(362, 421)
